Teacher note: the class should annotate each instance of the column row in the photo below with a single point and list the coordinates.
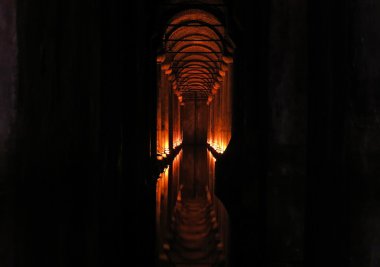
(220, 113)
(169, 127)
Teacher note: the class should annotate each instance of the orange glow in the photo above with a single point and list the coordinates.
(165, 66)
(219, 125)
(161, 205)
(165, 200)
(160, 58)
(195, 61)
(196, 58)
(196, 50)
(219, 146)
(177, 143)
(228, 59)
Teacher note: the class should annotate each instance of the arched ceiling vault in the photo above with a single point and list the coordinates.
(196, 51)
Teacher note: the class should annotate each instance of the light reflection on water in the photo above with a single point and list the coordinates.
(193, 169)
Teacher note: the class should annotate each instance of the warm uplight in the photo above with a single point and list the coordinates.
(219, 147)
(194, 64)
(177, 144)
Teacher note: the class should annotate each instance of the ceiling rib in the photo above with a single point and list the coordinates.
(194, 54)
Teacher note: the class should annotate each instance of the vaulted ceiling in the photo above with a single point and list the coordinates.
(196, 54)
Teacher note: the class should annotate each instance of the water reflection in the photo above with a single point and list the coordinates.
(186, 190)
(197, 171)
(167, 188)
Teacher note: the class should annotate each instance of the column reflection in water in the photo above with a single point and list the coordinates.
(161, 210)
(167, 187)
(211, 171)
(193, 169)
(197, 171)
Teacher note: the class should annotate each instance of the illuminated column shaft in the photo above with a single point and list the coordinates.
(176, 122)
(226, 108)
(229, 97)
(209, 124)
(179, 122)
(160, 147)
(213, 110)
(165, 105)
(171, 118)
(220, 113)
(218, 119)
(221, 118)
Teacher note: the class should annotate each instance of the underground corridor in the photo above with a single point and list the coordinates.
(189, 133)
(194, 101)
